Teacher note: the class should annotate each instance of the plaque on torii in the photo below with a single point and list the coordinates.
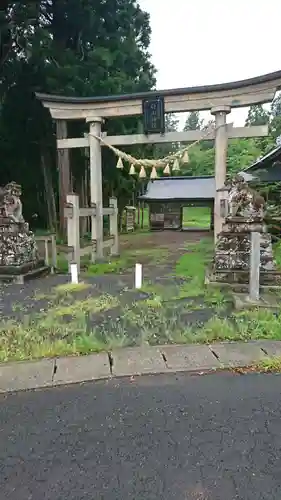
(153, 112)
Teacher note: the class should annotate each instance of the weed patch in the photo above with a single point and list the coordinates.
(269, 365)
(66, 288)
(128, 260)
(63, 329)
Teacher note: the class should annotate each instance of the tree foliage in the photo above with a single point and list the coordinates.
(257, 115)
(68, 47)
(193, 121)
(241, 152)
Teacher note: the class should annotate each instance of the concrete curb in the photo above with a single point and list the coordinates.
(135, 361)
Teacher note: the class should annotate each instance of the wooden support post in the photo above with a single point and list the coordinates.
(54, 253)
(138, 219)
(113, 226)
(221, 141)
(142, 214)
(73, 233)
(46, 245)
(254, 289)
(96, 184)
(64, 173)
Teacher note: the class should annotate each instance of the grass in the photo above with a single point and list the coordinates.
(62, 329)
(244, 326)
(63, 265)
(277, 254)
(191, 267)
(65, 327)
(197, 217)
(127, 261)
(71, 287)
(250, 325)
(269, 365)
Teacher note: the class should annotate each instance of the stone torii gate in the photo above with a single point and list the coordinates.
(219, 99)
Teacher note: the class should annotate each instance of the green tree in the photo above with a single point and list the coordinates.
(241, 154)
(70, 47)
(201, 162)
(257, 115)
(275, 109)
(275, 122)
(193, 121)
(171, 122)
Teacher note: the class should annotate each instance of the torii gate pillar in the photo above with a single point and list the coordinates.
(96, 183)
(221, 143)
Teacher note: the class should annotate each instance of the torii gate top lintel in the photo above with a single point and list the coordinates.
(236, 94)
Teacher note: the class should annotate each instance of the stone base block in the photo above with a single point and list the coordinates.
(242, 301)
(238, 281)
(20, 274)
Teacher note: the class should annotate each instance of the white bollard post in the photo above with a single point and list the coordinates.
(74, 273)
(254, 291)
(138, 276)
(73, 231)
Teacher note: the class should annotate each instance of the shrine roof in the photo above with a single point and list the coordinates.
(180, 189)
(267, 168)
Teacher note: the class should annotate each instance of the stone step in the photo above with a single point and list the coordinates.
(239, 280)
(241, 271)
(242, 277)
(231, 229)
(224, 254)
(22, 268)
(244, 287)
(238, 219)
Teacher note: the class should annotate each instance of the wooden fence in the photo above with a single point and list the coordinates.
(47, 249)
(73, 212)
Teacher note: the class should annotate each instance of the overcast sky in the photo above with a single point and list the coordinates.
(198, 42)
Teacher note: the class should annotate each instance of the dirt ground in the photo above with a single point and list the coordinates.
(45, 318)
(172, 240)
(49, 317)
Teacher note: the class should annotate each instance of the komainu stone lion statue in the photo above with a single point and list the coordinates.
(13, 202)
(18, 249)
(244, 201)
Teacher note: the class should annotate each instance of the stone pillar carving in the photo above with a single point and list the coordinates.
(96, 183)
(221, 141)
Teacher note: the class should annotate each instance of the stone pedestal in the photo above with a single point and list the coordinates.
(231, 265)
(18, 252)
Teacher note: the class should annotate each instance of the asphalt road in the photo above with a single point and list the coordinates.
(213, 437)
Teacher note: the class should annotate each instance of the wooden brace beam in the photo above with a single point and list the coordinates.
(169, 137)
